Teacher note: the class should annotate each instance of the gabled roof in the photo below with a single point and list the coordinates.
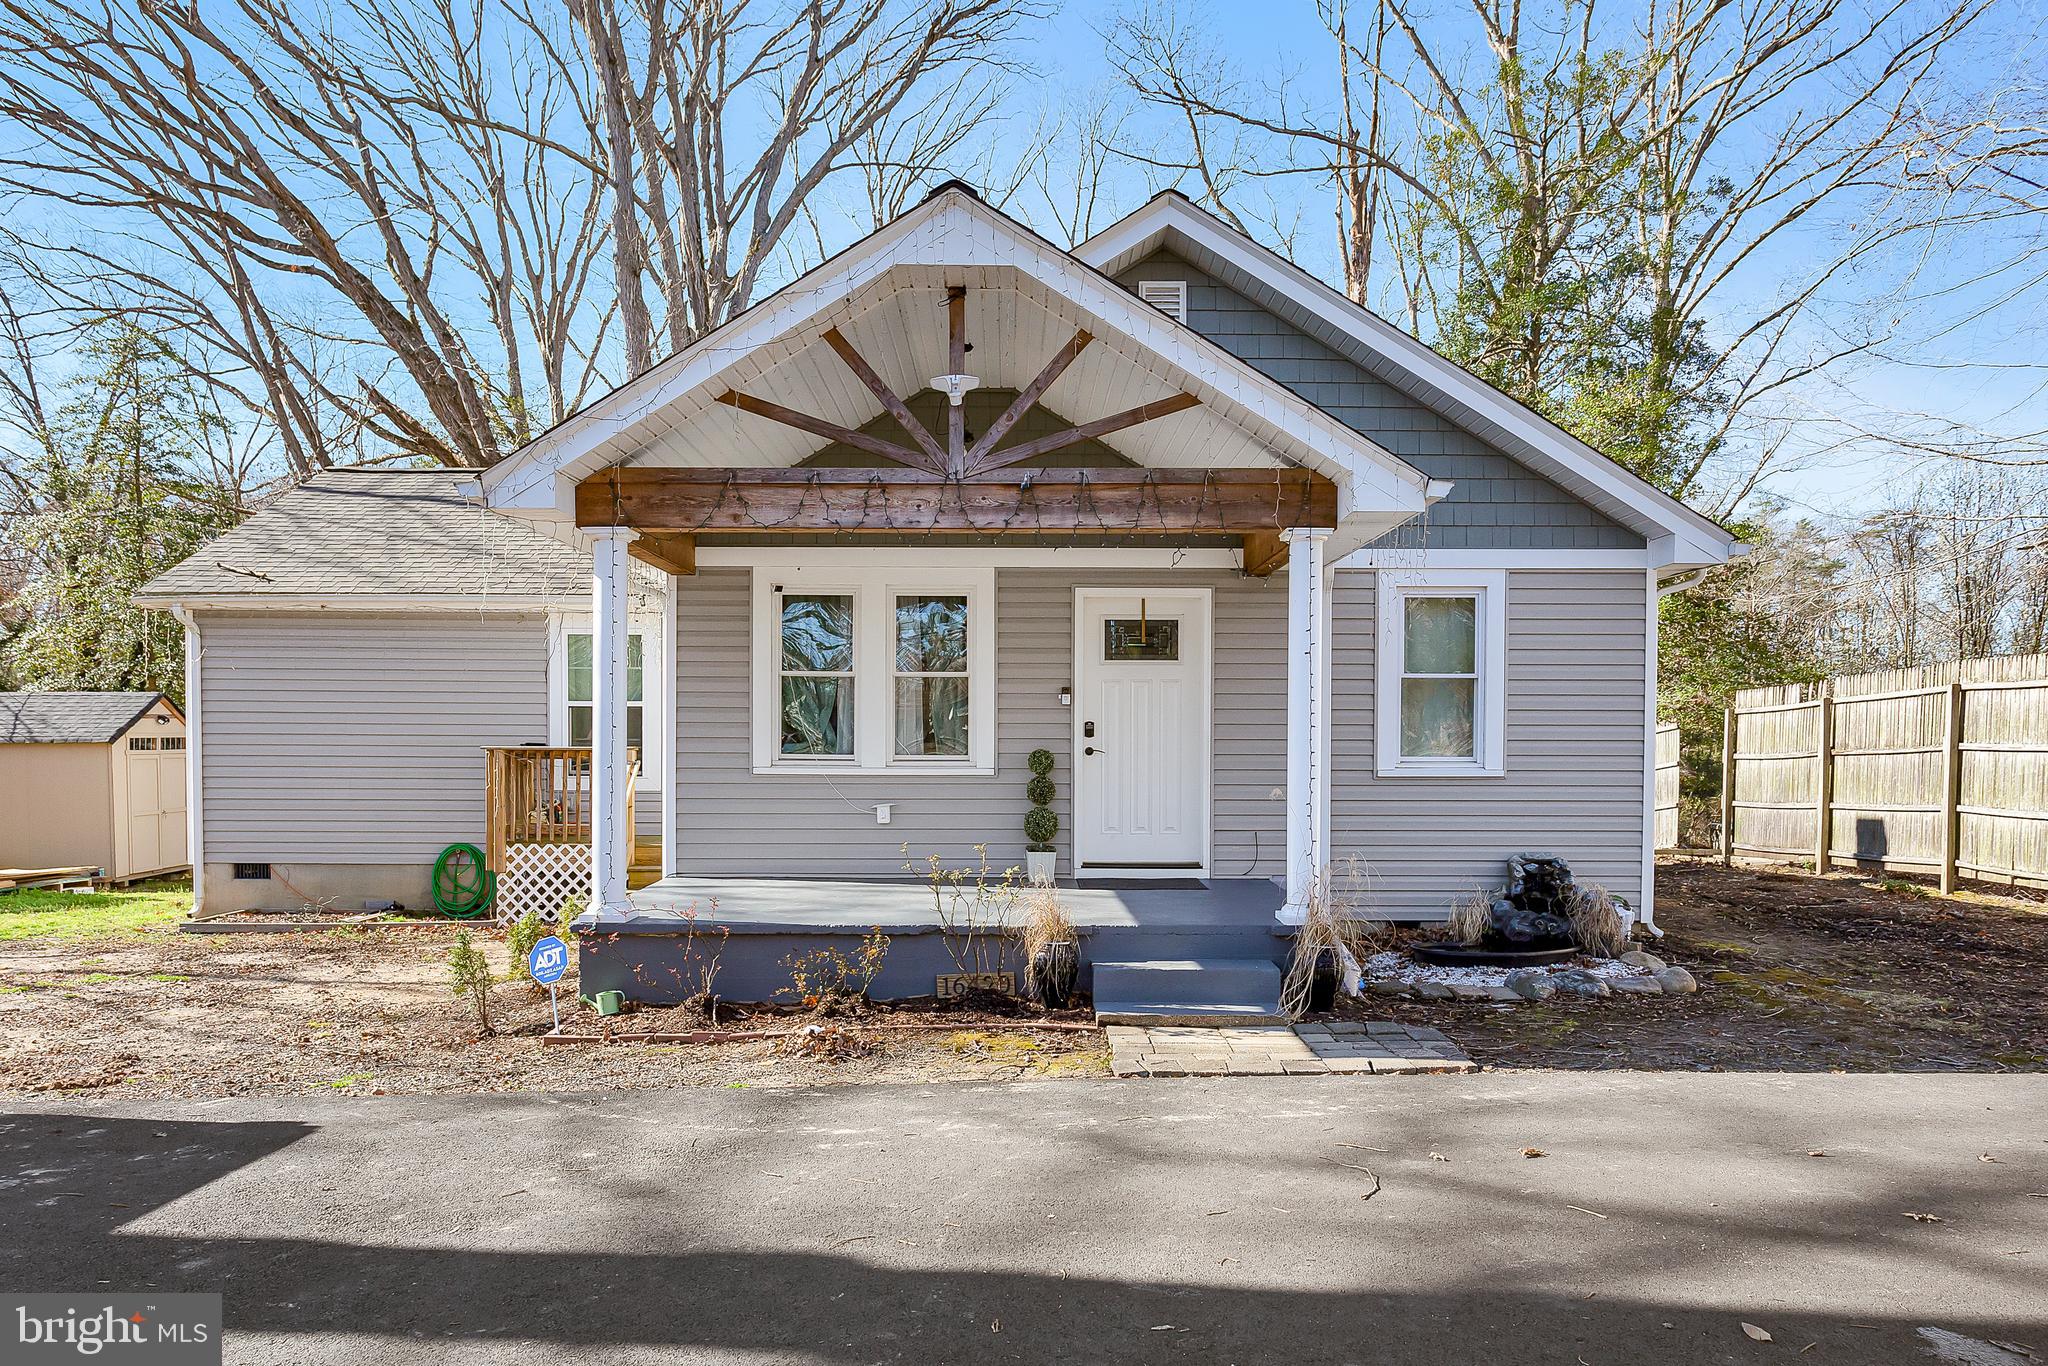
(953, 231)
(1678, 536)
(370, 535)
(73, 718)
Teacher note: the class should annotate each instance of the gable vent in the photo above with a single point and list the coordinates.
(1168, 296)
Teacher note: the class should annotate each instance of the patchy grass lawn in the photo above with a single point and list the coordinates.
(92, 915)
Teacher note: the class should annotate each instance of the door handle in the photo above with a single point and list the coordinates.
(1093, 750)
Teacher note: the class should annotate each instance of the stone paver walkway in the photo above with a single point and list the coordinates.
(1377, 1046)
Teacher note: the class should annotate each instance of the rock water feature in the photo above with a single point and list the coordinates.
(1529, 923)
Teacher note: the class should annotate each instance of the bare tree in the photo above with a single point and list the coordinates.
(329, 202)
(1586, 223)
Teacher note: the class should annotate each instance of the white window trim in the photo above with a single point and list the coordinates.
(1489, 707)
(874, 589)
(562, 625)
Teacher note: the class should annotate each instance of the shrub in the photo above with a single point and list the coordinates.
(469, 974)
(827, 975)
(1041, 825)
(520, 937)
(1040, 762)
(1040, 790)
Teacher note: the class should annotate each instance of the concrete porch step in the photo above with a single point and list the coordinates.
(1188, 991)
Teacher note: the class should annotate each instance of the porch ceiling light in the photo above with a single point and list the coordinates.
(955, 386)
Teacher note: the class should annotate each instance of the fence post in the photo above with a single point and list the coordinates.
(1728, 785)
(1824, 788)
(1951, 788)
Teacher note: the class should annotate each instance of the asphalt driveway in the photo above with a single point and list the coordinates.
(1199, 1221)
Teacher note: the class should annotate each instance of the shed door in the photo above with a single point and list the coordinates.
(156, 803)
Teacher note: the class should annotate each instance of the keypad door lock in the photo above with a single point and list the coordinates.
(1088, 730)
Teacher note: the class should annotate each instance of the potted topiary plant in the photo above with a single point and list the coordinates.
(1041, 824)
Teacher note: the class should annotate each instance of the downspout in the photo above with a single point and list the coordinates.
(195, 821)
(1657, 593)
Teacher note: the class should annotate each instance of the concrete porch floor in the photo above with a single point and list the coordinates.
(794, 905)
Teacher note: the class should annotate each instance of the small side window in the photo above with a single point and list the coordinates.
(1441, 665)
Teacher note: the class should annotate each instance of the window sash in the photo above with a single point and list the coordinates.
(918, 679)
(1440, 709)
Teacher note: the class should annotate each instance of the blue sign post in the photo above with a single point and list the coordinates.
(546, 962)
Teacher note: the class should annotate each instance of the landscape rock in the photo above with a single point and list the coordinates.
(1531, 984)
(1676, 981)
(1579, 982)
(1644, 962)
(1433, 991)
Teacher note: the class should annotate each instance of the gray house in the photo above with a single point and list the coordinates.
(1277, 586)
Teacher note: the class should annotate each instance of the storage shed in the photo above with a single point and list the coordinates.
(93, 779)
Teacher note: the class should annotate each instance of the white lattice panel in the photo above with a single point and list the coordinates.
(540, 878)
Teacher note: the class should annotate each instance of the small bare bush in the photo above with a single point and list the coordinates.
(1333, 923)
(1597, 923)
(1471, 917)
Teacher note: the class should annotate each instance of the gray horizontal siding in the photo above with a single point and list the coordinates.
(1498, 502)
(1574, 749)
(359, 740)
(733, 821)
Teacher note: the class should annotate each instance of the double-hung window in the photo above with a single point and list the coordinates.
(873, 669)
(1441, 665)
(572, 687)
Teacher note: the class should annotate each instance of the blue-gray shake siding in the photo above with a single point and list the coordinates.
(1498, 503)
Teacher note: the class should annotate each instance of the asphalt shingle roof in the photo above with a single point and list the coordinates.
(375, 531)
(70, 718)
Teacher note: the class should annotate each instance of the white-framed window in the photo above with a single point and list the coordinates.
(572, 682)
(1441, 666)
(874, 669)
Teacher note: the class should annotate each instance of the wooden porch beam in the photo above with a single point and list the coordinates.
(1264, 552)
(1088, 431)
(1133, 501)
(936, 457)
(1026, 397)
(672, 554)
(818, 426)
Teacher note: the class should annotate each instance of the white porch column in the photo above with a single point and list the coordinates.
(611, 843)
(1308, 717)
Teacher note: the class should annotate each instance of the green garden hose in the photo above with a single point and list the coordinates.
(464, 887)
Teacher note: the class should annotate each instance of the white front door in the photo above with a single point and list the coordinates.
(1141, 731)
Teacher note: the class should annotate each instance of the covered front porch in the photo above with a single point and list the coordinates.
(863, 496)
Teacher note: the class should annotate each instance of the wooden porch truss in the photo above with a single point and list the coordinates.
(961, 485)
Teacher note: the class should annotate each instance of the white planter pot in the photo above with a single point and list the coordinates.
(1041, 868)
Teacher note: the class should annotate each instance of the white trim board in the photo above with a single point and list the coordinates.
(1547, 448)
(1532, 558)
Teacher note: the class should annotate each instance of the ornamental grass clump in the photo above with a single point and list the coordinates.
(1597, 922)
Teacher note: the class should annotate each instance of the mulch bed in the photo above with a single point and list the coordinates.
(1797, 973)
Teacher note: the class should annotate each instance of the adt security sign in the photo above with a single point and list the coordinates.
(545, 963)
(548, 960)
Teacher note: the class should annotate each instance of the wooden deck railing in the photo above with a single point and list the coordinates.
(537, 795)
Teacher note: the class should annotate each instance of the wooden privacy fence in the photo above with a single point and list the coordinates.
(1667, 787)
(1940, 769)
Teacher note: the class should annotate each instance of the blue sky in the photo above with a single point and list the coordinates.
(1946, 363)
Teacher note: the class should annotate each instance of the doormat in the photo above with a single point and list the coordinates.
(1141, 884)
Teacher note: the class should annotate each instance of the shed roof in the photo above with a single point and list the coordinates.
(71, 718)
(375, 533)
